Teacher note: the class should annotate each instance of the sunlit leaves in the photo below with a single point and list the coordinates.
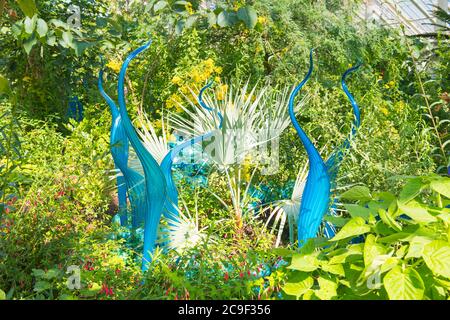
(361, 193)
(437, 257)
(356, 226)
(41, 27)
(299, 283)
(404, 284)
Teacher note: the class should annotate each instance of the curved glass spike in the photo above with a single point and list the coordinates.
(166, 165)
(316, 195)
(204, 105)
(155, 183)
(337, 156)
(119, 154)
(130, 181)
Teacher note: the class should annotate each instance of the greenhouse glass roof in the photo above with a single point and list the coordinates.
(415, 15)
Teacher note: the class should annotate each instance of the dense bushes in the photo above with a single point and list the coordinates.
(56, 175)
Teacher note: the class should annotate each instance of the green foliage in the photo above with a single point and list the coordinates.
(405, 254)
(56, 194)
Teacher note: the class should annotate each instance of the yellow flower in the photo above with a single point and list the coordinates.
(114, 65)
(209, 63)
(218, 70)
(176, 80)
(262, 20)
(157, 124)
(189, 8)
(221, 91)
(26, 79)
(384, 111)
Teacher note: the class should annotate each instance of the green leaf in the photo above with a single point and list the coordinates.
(360, 193)
(352, 253)
(190, 21)
(212, 18)
(356, 226)
(2, 295)
(411, 190)
(226, 19)
(30, 24)
(248, 15)
(358, 211)
(417, 212)
(404, 284)
(42, 28)
(159, 5)
(389, 220)
(304, 262)
(372, 249)
(298, 284)
(38, 273)
(337, 269)
(4, 84)
(80, 46)
(29, 43)
(336, 221)
(416, 246)
(328, 289)
(441, 186)
(28, 7)
(42, 286)
(51, 40)
(67, 38)
(436, 255)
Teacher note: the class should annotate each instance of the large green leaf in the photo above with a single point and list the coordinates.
(2, 295)
(411, 189)
(304, 262)
(159, 5)
(389, 220)
(437, 257)
(372, 249)
(226, 19)
(298, 284)
(441, 186)
(248, 15)
(30, 24)
(327, 289)
(354, 227)
(416, 246)
(361, 193)
(29, 43)
(28, 7)
(358, 211)
(41, 28)
(404, 284)
(417, 212)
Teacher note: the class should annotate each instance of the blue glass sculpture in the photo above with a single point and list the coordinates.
(75, 110)
(155, 182)
(316, 195)
(130, 182)
(321, 176)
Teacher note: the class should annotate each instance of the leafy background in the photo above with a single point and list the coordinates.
(57, 199)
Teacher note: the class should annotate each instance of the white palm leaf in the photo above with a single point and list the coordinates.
(155, 144)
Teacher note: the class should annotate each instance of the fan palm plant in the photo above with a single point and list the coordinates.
(247, 118)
